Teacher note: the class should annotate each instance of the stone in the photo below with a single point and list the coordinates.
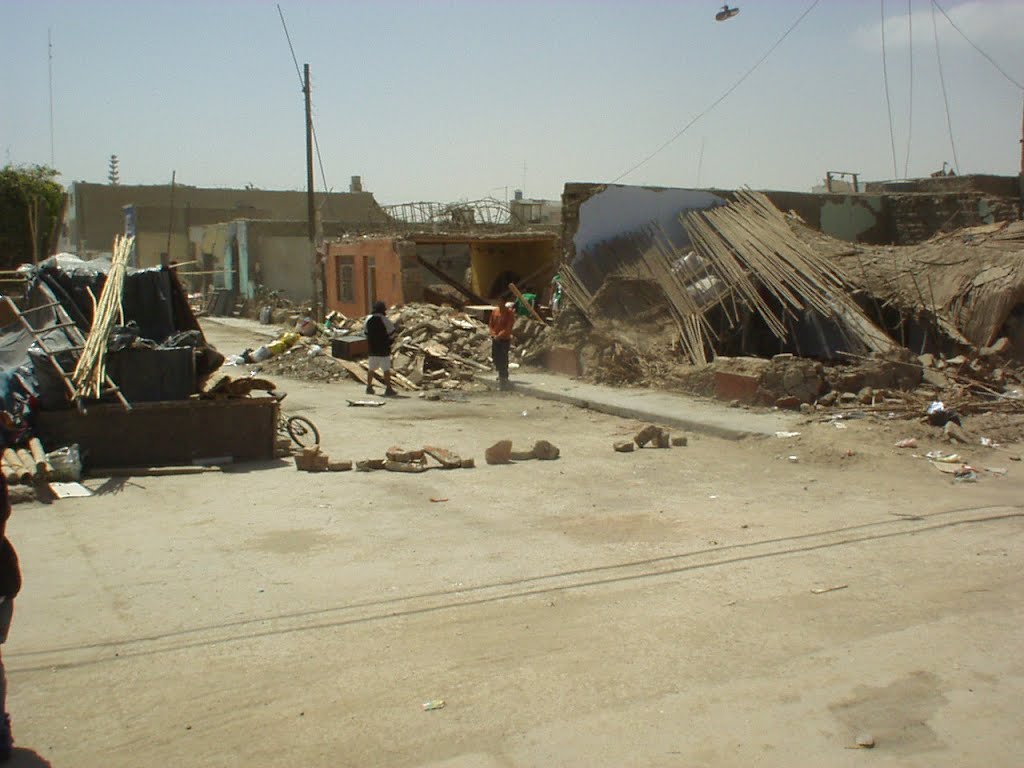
(806, 408)
(955, 434)
(828, 399)
(866, 396)
(999, 347)
(624, 446)
(545, 451)
(468, 463)
(339, 466)
(370, 465)
(679, 441)
(405, 466)
(395, 453)
(934, 378)
(499, 453)
(734, 403)
(447, 459)
(848, 397)
(866, 740)
(664, 440)
(958, 360)
(926, 360)
(647, 435)
(788, 403)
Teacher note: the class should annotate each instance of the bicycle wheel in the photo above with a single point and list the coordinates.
(303, 432)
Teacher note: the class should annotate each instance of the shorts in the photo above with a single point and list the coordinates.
(379, 363)
(6, 612)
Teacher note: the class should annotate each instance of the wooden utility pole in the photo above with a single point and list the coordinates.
(1020, 181)
(310, 203)
(165, 260)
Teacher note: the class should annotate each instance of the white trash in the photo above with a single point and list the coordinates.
(66, 463)
(260, 354)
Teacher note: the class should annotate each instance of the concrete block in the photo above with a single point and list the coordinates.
(499, 453)
(624, 446)
(545, 451)
(736, 386)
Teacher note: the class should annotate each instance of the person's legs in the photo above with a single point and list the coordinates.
(369, 380)
(387, 383)
(499, 353)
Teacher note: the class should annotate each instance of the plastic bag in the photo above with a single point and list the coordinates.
(66, 463)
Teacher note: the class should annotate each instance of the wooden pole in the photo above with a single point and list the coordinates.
(310, 202)
(165, 260)
(525, 303)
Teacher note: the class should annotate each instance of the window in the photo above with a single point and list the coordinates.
(346, 279)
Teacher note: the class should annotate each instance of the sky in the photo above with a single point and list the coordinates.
(449, 100)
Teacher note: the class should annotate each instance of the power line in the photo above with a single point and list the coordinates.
(910, 105)
(888, 100)
(302, 83)
(945, 98)
(724, 96)
(965, 37)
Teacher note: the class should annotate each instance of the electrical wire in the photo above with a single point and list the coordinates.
(302, 84)
(945, 98)
(888, 100)
(910, 99)
(975, 47)
(724, 96)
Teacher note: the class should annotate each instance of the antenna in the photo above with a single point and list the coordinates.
(49, 57)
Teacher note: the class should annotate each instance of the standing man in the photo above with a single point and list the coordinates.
(10, 585)
(500, 324)
(379, 331)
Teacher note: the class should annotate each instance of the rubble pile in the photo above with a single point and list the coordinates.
(435, 347)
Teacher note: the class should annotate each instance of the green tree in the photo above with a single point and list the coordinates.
(31, 209)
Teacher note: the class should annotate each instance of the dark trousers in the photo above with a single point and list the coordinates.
(499, 353)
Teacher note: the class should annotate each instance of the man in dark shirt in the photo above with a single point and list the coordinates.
(379, 331)
(10, 585)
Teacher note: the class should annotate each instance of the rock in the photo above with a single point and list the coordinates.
(733, 404)
(664, 440)
(522, 455)
(1001, 346)
(545, 451)
(405, 466)
(624, 446)
(647, 435)
(789, 403)
(935, 378)
(19, 494)
(866, 740)
(828, 399)
(848, 397)
(955, 434)
(499, 453)
(339, 466)
(395, 453)
(443, 456)
(679, 441)
(468, 463)
(370, 465)
(958, 360)
(866, 396)
(926, 360)
(806, 408)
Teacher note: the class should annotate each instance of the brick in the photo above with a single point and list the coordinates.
(443, 456)
(545, 451)
(624, 446)
(499, 453)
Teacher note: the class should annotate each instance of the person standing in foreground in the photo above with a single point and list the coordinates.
(500, 324)
(379, 331)
(10, 585)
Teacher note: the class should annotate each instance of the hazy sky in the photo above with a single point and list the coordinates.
(450, 99)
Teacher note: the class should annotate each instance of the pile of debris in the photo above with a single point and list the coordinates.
(396, 459)
(435, 347)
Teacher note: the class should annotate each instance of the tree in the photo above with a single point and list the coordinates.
(31, 208)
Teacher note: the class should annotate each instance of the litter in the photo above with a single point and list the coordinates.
(907, 443)
(823, 590)
(946, 458)
(69, 490)
(793, 459)
(366, 403)
(838, 425)
(787, 434)
(436, 501)
(429, 706)
(965, 475)
(988, 442)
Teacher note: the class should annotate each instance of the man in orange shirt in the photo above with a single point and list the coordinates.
(501, 321)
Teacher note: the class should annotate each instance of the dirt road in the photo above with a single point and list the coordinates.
(657, 608)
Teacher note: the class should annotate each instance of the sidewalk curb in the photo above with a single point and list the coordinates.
(639, 414)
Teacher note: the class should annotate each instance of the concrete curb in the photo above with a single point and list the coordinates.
(706, 426)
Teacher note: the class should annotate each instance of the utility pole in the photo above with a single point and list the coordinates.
(165, 260)
(310, 204)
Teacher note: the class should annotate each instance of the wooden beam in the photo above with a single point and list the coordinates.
(450, 281)
(525, 303)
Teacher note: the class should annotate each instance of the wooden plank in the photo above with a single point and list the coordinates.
(529, 307)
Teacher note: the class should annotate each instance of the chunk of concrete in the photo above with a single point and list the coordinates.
(339, 466)
(396, 453)
(499, 453)
(955, 434)
(926, 360)
(405, 466)
(789, 403)
(679, 441)
(664, 440)
(545, 451)
(468, 463)
(999, 347)
(648, 434)
(624, 446)
(447, 459)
